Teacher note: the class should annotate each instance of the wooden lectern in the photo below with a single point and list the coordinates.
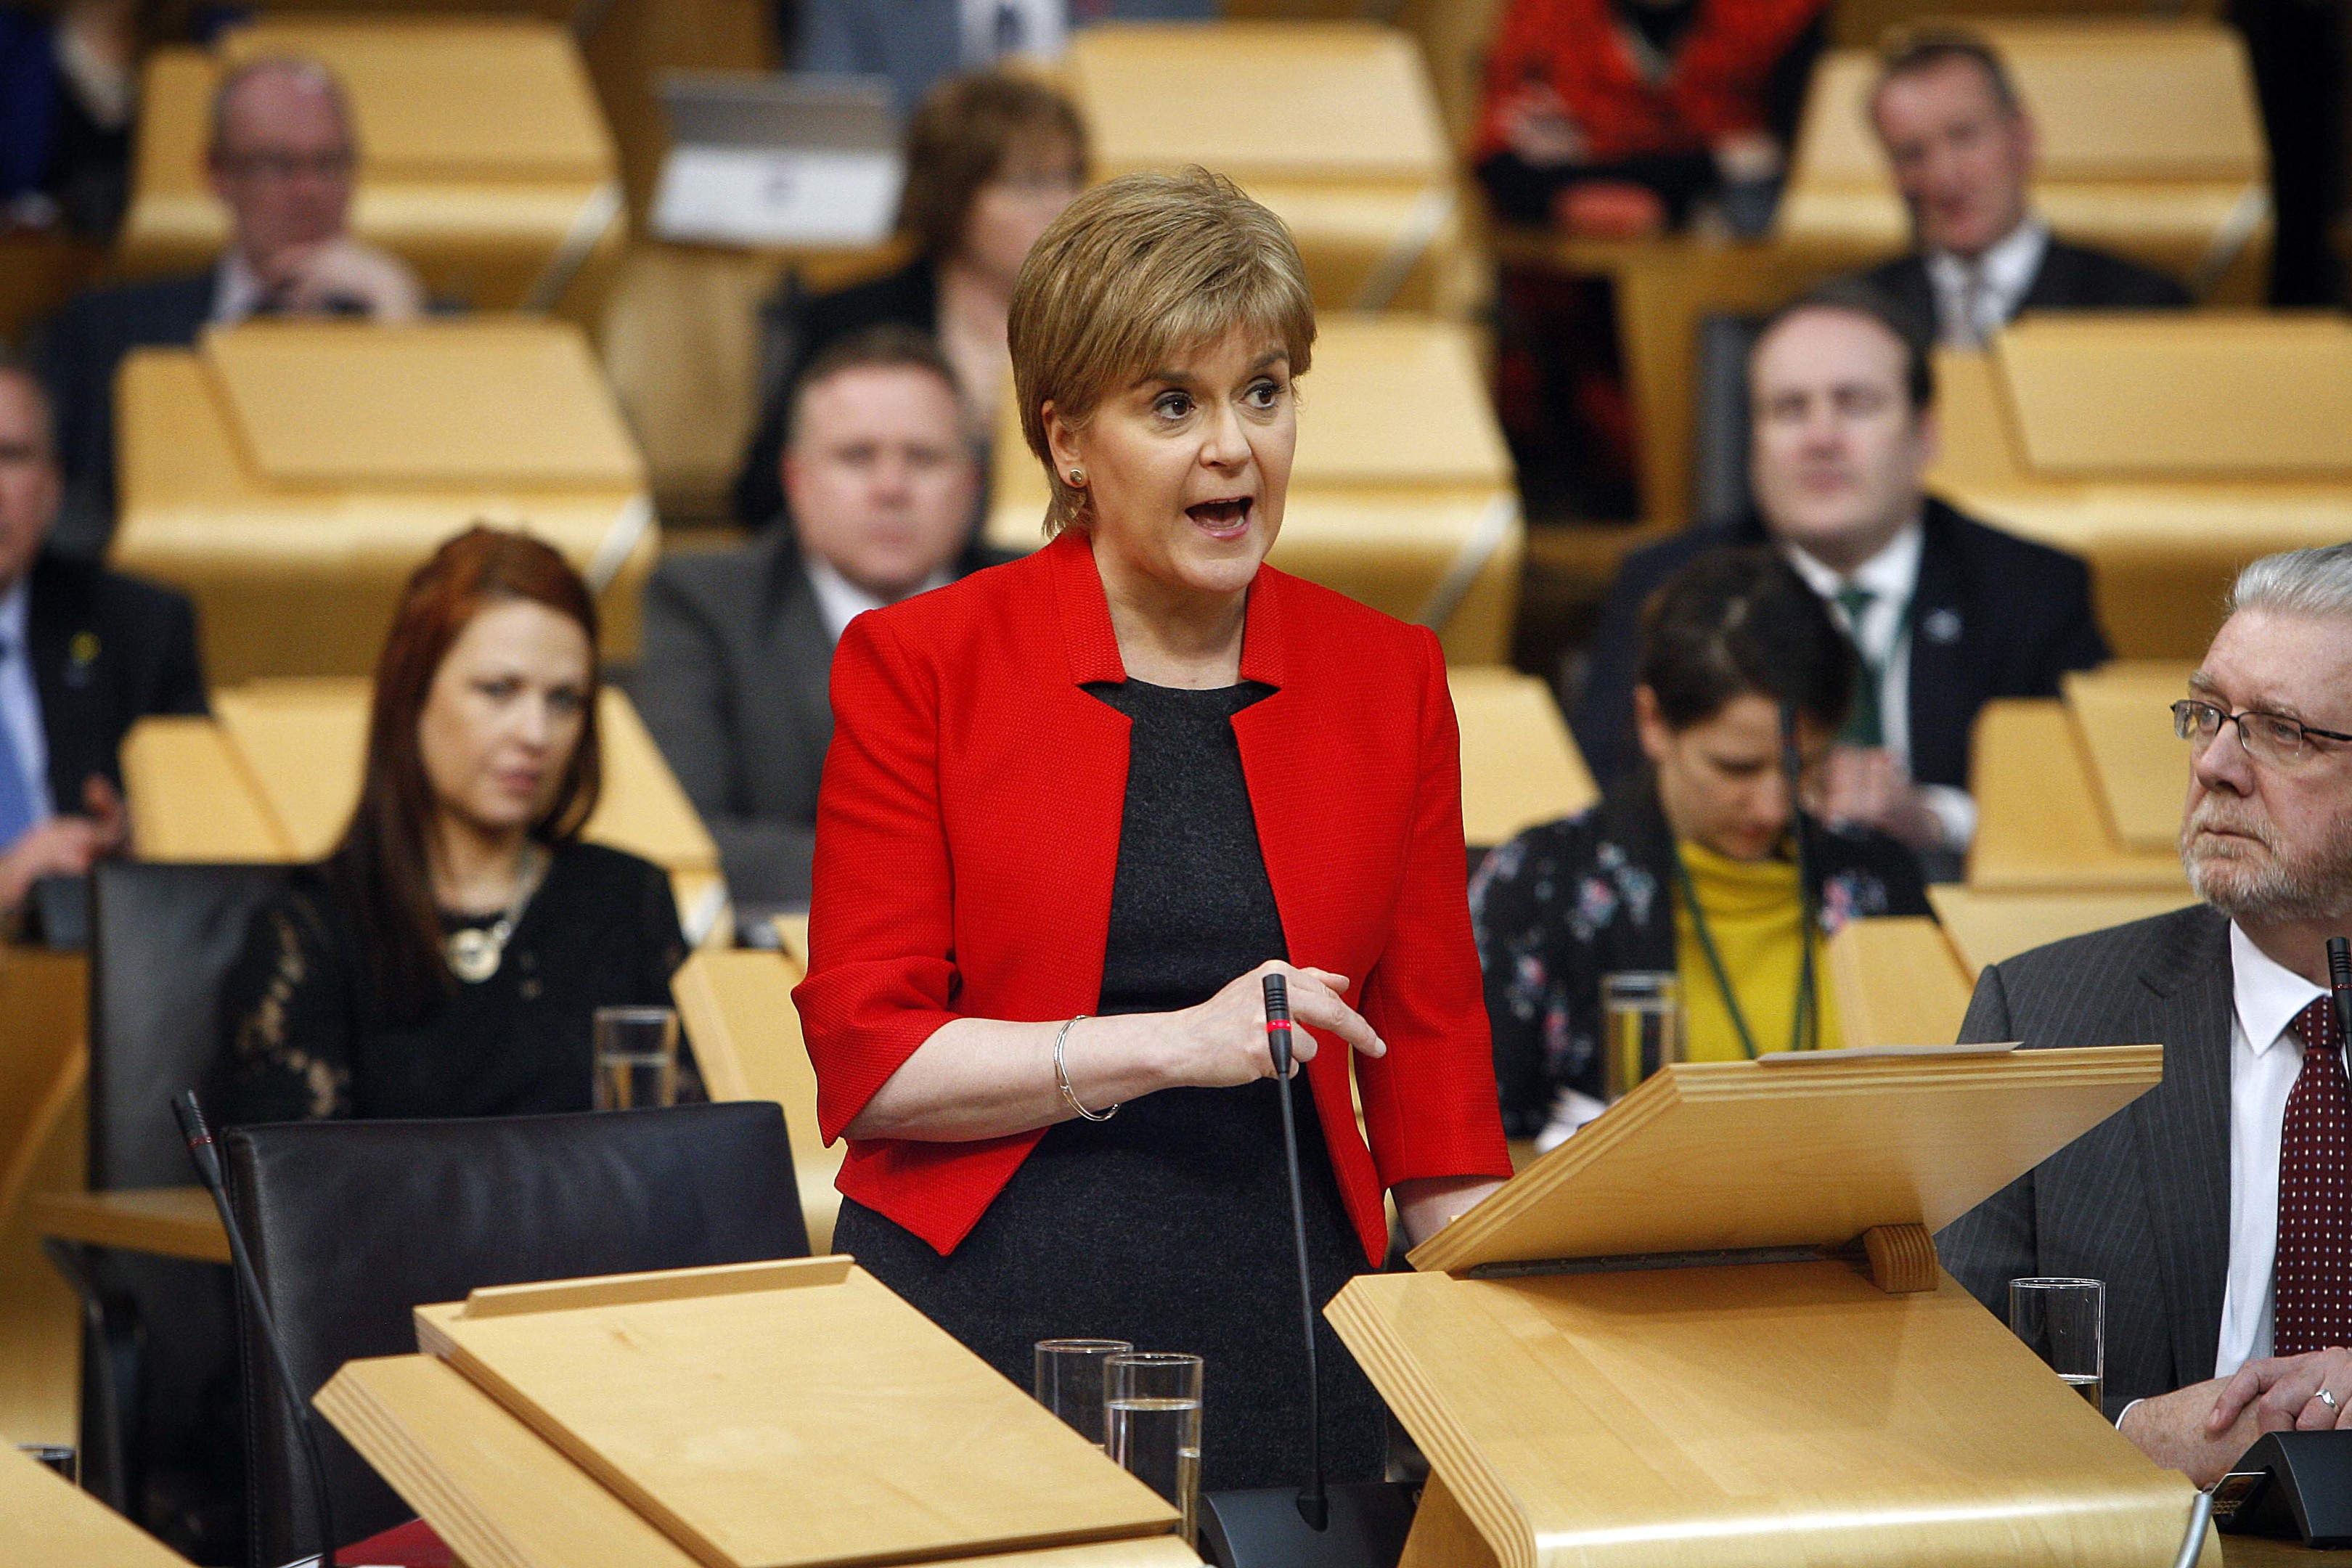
(1402, 496)
(754, 1415)
(289, 475)
(1710, 1329)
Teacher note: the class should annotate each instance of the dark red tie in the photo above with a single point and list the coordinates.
(2315, 1212)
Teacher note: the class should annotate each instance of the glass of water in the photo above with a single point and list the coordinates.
(2063, 1322)
(637, 1057)
(1073, 1383)
(1155, 1427)
(1641, 1027)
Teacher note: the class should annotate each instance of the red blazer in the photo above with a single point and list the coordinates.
(968, 830)
(1716, 87)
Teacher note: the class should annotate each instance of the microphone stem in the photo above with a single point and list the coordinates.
(1312, 1504)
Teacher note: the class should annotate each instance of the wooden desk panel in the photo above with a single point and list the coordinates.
(44, 1007)
(1896, 982)
(170, 1222)
(191, 797)
(2140, 766)
(1987, 928)
(44, 1519)
(2160, 397)
(2039, 826)
(1519, 766)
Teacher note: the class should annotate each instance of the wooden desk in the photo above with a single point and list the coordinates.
(1986, 928)
(484, 161)
(275, 774)
(2039, 823)
(1519, 766)
(45, 1519)
(290, 476)
(170, 1222)
(1401, 495)
(1896, 982)
(2163, 543)
(2150, 143)
(2140, 764)
(1359, 165)
(44, 1004)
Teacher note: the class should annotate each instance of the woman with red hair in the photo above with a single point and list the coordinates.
(446, 959)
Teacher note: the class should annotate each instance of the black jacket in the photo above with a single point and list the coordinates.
(81, 350)
(2072, 278)
(2142, 1200)
(1563, 904)
(107, 650)
(1993, 615)
(907, 298)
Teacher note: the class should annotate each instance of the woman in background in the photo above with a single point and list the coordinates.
(1690, 866)
(990, 160)
(447, 958)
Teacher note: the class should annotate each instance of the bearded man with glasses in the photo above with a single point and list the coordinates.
(2217, 1206)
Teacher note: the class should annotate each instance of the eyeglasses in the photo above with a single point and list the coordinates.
(289, 167)
(2282, 742)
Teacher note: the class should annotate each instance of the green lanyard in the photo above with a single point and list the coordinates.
(1802, 1024)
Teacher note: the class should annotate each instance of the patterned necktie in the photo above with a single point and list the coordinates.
(1968, 331)
(1863, 727)
(2313, 1273)
(15, 793)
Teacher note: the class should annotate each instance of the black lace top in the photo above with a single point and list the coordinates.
(302, 1039)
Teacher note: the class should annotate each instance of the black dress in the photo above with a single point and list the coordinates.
(1169, 1225)
(302, 1038)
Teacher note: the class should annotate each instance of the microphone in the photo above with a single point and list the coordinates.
(1356, 1525)
(205, 1157)
(2339, 983)
(1792, 767)
(1314, 1507)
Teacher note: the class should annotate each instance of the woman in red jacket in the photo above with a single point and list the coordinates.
(1078, 806)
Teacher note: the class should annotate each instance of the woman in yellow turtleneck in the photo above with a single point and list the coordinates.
(1697, 850)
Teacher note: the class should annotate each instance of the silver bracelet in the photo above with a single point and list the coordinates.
(1062, 1074)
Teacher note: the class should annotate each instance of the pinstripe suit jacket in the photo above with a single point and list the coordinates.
(2142, 1200)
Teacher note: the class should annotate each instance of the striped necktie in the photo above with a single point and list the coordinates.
(2314, 1272)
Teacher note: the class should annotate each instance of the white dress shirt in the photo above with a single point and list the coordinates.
(840, 601)
(238, 293)
(1974, 299)
(1891, 577)
(2266, 1058)
(1036, 29)
(20, 701)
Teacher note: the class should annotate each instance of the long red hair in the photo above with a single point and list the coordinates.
(382, 868)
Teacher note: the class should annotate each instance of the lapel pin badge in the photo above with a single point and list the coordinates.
(1942, 627)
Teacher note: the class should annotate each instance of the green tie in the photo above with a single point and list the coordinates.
(1862, 723)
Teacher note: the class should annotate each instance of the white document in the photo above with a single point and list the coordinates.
(749, 195)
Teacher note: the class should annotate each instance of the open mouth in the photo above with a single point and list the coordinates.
(1227, 518)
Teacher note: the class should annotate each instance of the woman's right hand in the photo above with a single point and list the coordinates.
(1221, 1041)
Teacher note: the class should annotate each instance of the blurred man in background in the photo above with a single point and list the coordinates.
(282, 159)
(1962, 149)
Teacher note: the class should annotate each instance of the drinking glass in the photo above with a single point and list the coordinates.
(1155, 1427)
(1641, 1027)
(637, 1057)
(66, 1462)
(2063, 1322)
(1073, 1383)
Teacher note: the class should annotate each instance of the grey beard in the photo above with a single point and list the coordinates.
(2315, 886)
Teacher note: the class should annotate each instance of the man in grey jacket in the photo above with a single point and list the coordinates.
(2217, 1206)
(882, 484)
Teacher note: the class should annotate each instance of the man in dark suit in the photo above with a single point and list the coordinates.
(1946, 613)
(2217, 1206)
(1961, 147)
(83, 654)
(281, 161)
(880, 485)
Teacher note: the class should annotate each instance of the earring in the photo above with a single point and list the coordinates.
(1077, 476)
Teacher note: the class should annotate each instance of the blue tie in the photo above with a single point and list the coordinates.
(15, 796)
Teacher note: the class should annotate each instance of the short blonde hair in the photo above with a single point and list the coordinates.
(1135, 269)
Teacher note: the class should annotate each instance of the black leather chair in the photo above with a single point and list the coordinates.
(157, 1362)
(1719, 425)
(353, 1224)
